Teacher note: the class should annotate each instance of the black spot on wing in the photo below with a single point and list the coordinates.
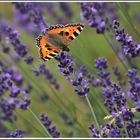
(46, 57)
(48, 48)
(53, 55)
(55, 51)
(67, 33)
(75, 34)
(71, 38)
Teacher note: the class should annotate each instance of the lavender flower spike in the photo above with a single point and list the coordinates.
(48, 124)
(129, 47)
(99, 15)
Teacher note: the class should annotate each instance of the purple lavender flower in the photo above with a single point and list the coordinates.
(134, 91)
(123, 123)
(101, 65)
(5, 48)
(12, 37)
(99, 15)
(29, 59)
(29, 15)
(48, 124)
(129, 47)
(11, 87)
(25, 104)
(16, 76)
(16, 134)
(66, 66)
(66, 119)
(64, 6)
(44, 97)
(95, 132)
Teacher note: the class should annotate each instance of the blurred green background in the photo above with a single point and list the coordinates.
(85, 49)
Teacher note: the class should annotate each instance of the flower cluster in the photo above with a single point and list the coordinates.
(101, 65)
(12, 37)
(129, 47)
(16, 134)
(99, 15)
(48, 124)
(134, 91)
(75, 77)
(29, 59)
(123, 123)
(11, 82)
(29, 16)
(64, 6)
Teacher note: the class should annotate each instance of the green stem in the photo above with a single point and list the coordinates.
(47, 133)
(92, 112)
(30, 123)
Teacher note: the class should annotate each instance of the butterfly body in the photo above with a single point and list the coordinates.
(57, 38)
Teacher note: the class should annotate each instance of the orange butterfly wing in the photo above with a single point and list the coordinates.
(71, 31)
(46, 53)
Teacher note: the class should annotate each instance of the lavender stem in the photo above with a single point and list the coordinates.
(92, 112)
(47, 133)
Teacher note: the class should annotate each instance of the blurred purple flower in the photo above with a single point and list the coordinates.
(44, 97)
(5, 48)
(29, 15)
(10, 90)
(4, 132)
(66, 9)
(118, 76)
(29, 59)
(66, 119)
(42, 70)
(12, 37)
(99, 15)
(48, 124)
(129, 47)
(16, 134)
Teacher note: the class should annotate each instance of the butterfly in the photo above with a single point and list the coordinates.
(57, 38)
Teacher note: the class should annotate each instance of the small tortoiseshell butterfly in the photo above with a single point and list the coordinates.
(57, 38)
